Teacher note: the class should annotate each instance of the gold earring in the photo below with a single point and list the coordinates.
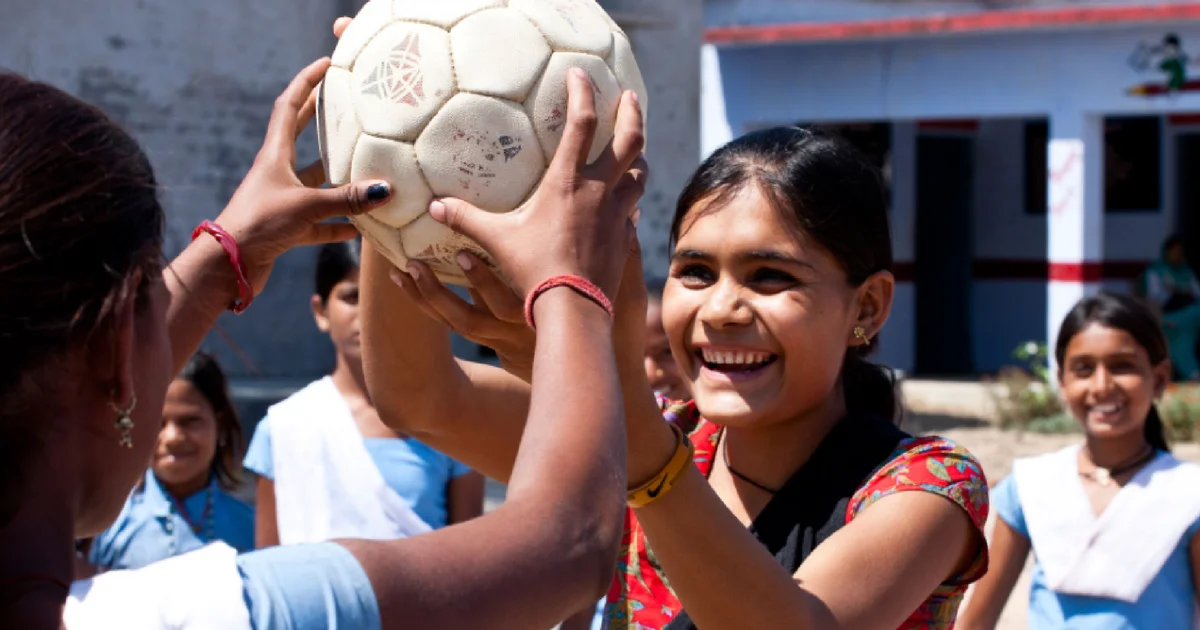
(861, 334)
(658, 373)
(124, 423)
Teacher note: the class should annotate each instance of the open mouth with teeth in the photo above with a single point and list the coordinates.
(1107, 409)
(736, 361)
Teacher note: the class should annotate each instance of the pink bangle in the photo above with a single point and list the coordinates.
(580, 285)
(245, 292)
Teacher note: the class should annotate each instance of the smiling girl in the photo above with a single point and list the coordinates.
(806, 507)
(185, 501)
(1113, 522)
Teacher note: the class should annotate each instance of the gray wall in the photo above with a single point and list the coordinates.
(666, 37)
(194, 82)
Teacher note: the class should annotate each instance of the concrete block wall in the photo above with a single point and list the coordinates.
(194, 83)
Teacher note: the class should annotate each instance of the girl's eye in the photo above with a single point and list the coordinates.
(1123, 367)
(695, 274)
(773, 276)
(1081, 370)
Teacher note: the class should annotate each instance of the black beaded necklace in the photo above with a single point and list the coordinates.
(735, 473)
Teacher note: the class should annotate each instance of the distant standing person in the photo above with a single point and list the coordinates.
(1172, 287)
(328, 467)
(1169, 283)
(1113, 523)
(184, 501)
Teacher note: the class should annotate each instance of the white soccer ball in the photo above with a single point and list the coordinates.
(461, 98)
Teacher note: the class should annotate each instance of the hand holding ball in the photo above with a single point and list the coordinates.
(464, 99)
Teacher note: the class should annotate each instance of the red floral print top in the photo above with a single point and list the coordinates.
(641, 598)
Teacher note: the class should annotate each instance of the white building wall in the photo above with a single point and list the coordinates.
(997, 79)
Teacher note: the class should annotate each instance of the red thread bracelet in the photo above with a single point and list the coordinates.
(580, 285)
(245, 291)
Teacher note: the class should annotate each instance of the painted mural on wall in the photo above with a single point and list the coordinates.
(1170, 61)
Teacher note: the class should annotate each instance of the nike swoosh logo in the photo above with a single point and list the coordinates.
(653, 492)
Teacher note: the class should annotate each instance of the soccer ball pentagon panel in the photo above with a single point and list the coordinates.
(461, 98)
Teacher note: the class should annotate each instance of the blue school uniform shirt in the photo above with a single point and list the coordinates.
(309, 586)
(417, 473)
(149, 528)
(1167, 603)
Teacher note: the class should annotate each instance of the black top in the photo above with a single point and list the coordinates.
(812, 505)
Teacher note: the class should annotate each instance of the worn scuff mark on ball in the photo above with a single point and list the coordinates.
(554, 121)
(480, 151)
(398, 78)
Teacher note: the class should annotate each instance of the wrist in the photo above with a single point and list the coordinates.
(562, 303)
(221, 257)
(578, 284)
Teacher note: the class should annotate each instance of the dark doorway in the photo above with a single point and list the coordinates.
(945, 185)
(1187, 197)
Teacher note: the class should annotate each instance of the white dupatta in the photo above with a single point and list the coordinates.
(326, 484)
(1117, 554)
(201, 590)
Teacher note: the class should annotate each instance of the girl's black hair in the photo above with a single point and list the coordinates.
(1125, 313)
(335, 261)
(836, 197)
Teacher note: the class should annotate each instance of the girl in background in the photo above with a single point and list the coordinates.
(185, 499)
(661, 368)
(328, 466)
(1112, 522)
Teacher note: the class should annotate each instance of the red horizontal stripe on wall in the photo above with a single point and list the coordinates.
(1075, 272)
(1183, 119)
(984, 21)
(1001, 269)
(1038, 270)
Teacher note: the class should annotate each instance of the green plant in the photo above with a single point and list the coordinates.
(1180, 412)
(1025, 393)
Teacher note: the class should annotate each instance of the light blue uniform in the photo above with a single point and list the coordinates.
(312, 586)
(1167, 603)
(149, 528)
(414, 471)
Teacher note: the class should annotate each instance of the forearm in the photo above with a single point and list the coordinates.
(517, 566)
(473, 413)
(986, 602)
(202, 285)
(410, 369)
(736, 583)
(266, 525)
(650, 441)
(576, 407)
(549, 550)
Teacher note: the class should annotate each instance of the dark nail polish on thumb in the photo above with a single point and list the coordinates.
(378, 192)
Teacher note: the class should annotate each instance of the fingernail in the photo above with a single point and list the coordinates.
(580, 73)
(637, 216)
(396, 277)
(464, 261)
(634, 95)
(414, 271)
(378, 192)
(437, 210)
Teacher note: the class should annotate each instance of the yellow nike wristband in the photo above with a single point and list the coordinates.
(660, 484)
